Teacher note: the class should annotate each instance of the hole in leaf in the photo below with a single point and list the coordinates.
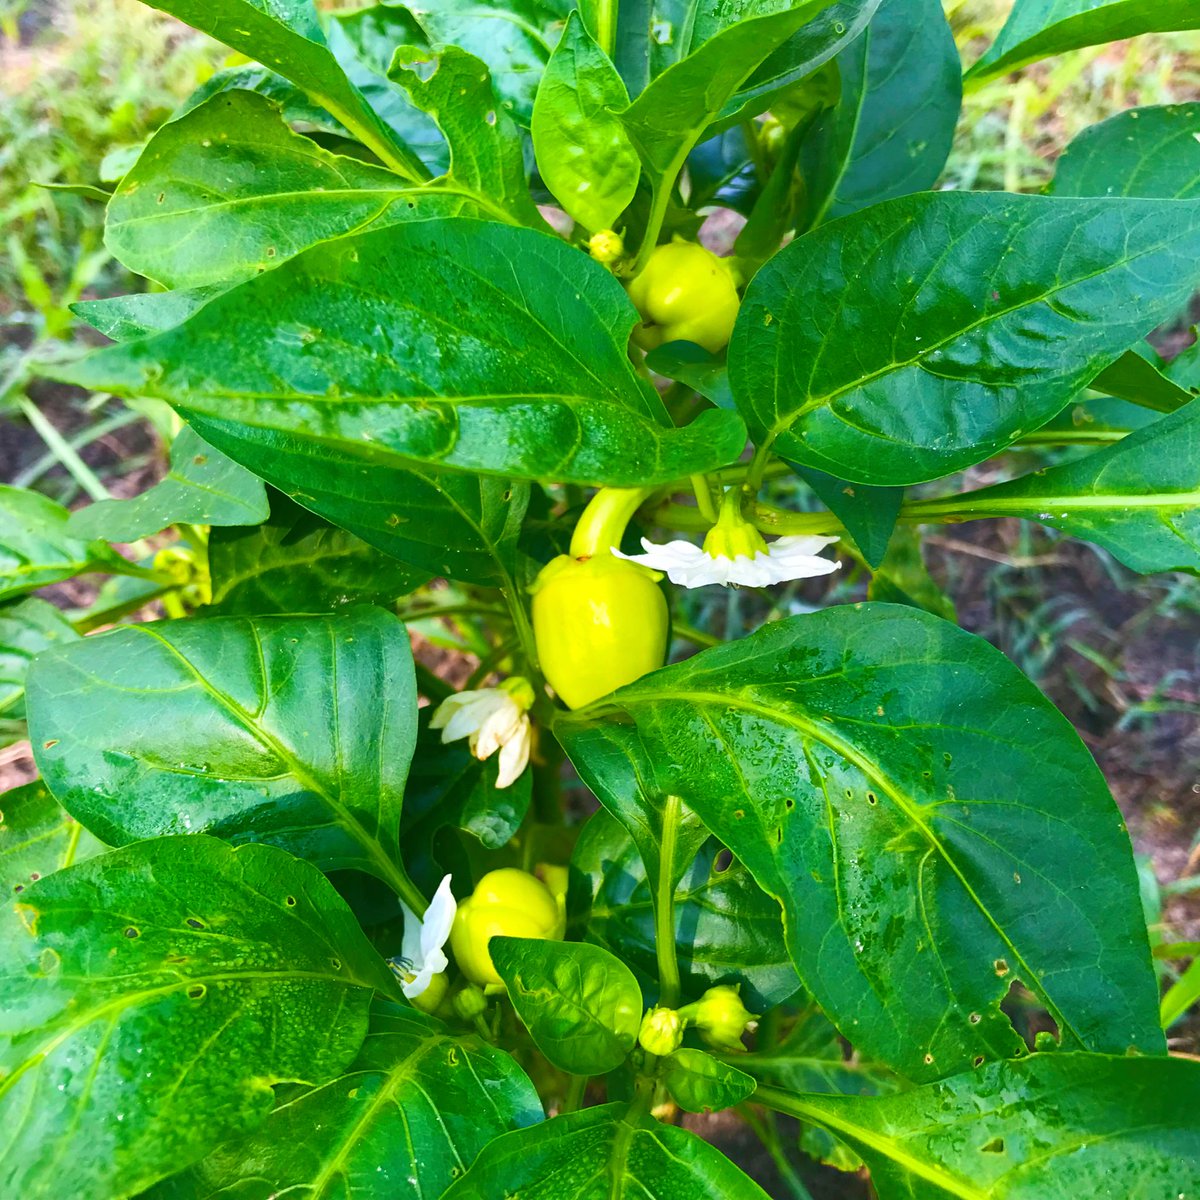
(50, 744)
(1000, 966)
(978, 1061)
(974, 1018)
(192, 923)
(739, 813)
(131, 931)
(723, 861)
(197, 991)
(290, 901)
(995, 1146)
(928, 1059)
(872, 798)
(789, 804)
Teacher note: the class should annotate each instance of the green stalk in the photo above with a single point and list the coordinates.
(664, 907)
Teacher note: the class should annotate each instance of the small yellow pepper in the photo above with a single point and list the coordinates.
(685, 294)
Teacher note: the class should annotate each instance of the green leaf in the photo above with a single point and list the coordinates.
(1039, 29)
(38, 838)
(891, 131)
(447, 523)
(1141, 152)
(1138, 376)
(298, 563)
(602, 1152)
(36, 549)
(727, 929)
(286, 36)
(584, 155)
(965, 321)
(1049, 1127)
(124, 318)
(27, 627)
(486, 160)
(203, 487)
(700, 1083)
(691, 364)
(228, 191)
(411, 1114)
(581, 1004)
(889, 777)
(296, 731)
(450, 342)
(152, 996)
(868, 513)
(903, 578)
(1139, 499)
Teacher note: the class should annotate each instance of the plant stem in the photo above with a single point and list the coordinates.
(520, 620)
(602, 524)
(576, 1091)
(664, 906)
(606, 25)
(767, 1133)
(704, 500)
(697, 637)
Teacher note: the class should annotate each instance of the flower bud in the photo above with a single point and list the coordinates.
(721, 1017)
(470, 1002)
(662, 1031)
(606, 247)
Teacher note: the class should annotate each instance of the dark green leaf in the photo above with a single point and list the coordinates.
(584, 155)
(1050, 1127)
(889, 777)
(581, 1004)
(691, 364)
(1139, 499)
(1041, 28)
(1141, 152)
(597, 1153)
(892, 129)
(295, 106)
(291, 730)
(297, 563)
(286, 36)
(27, 627)
(203, 487)
(700, 1083)
(228, 191)
(1138, 376)
(727, 929)
(38, 838)
(451, 342)
(153, 995)
(409, 1116)
(868, 513)
(903, 578)
(965, 321)
(35, 548)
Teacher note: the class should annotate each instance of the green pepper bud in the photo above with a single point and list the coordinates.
(662, 1031)
(721, 1017)
(470, 1002)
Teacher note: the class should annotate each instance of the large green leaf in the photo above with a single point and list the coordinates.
(37, 837)
(203, 487)
(36, 549)
(291, 730)
(410, 1115)
(581, 1004)
(228, 191)
(932, 826)
(892, 128)
(296, 563)
(27, 627)
(151, 997)
(727, 929)
(601, 1153)
(1050, 1127)
(286, 36)
(964, 321)
(1139, 499)
(454, 343)
(1140, 152)
(1042, 28)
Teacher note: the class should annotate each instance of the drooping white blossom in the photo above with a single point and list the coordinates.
(421, 953)
(493, 720)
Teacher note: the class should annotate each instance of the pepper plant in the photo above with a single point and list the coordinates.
(439, 342)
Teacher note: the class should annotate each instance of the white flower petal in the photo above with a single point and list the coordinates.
(502, 723)
(514, 755)
(790, 557)
(435, 928)
(410, 945)
(418, 983)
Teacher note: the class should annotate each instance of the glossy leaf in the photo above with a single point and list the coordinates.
(597, 1152)
(890, 778)
(1139, 499)
(153, 995)
(700, 1083)
(903, 578)
(584, 155)
(229, 191)
(727, 929)
(291, 730)
(966, 320)
(691, 364)
(1037, 29)
(124, 318)
(203, 487)
(1141, 152)
(36, 549)
(297, 563)
(1140, 377)
(451, 342)
(891, 131)
(868, 513)
(38, 838)
(286, 36)
(486, 160)
(412, 1112)
(27, 627)
(1050, 1127)
(581, 1004)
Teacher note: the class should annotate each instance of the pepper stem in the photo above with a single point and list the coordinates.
(603, 522)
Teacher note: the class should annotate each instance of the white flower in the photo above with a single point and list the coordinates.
(421, 954)
(493, 719)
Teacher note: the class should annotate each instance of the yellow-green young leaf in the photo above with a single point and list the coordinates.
(603, 1152)
(583, 153)
(700, 1083)
(408, 1117)
(152, 996)
(37, 838)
